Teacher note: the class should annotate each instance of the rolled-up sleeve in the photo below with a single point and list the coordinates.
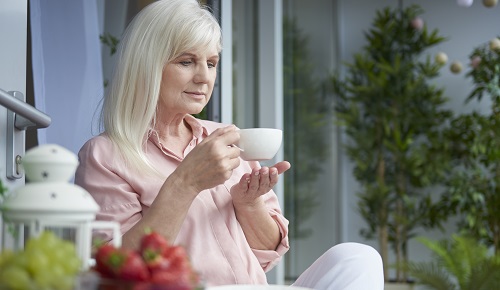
(267, 258)
(116, 198)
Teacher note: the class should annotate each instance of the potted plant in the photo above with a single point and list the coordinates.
(473, 141)
(460, 263)
(392, 115)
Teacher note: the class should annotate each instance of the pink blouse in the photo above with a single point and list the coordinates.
(210, 233)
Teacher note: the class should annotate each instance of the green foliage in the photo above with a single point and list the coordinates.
(3, 190)
(306, 115)
(202, 114)
(392, 115)
(460, 263)
(473, 144)
(3, 194)
(110, 41)
(486, 75)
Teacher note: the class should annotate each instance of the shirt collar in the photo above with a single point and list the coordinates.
(198, 128)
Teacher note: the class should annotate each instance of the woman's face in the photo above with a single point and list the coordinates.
(187, 82)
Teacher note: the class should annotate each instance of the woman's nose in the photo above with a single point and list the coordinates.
(202, 74)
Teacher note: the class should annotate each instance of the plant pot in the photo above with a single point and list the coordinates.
(398, 286)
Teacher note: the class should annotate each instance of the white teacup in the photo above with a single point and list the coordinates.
(259, 144)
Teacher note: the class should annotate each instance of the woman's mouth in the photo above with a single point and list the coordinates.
(196, 95)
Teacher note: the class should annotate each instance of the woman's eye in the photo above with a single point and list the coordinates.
(212, 64)
(186, 62)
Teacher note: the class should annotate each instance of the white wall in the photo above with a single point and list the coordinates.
(13, 16)
(465, 28)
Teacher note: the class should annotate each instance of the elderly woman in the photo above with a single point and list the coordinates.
(156, 166)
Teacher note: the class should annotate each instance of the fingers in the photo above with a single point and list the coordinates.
(227, 135)
(223, 130)
(282, 166)
(212, 161)
(273, 173)
(262, 180)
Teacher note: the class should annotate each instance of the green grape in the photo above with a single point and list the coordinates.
(57, 270)
(68, 248)
(5, 258)
(14, 278)
(68, 258)
(47, 263)
(43, 280)
(64, 283)
(37, 261)
(47, 241)
(72, 265)
(20, 259)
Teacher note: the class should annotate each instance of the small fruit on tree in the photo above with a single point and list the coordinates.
(495, 44)
(456, 67)
(441, 58)
(490, 3)
(475, 61)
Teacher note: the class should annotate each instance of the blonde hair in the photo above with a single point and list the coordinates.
(158, 34)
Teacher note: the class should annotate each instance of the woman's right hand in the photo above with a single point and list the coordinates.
(212, 161)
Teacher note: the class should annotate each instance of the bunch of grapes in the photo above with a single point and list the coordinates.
(47, 263)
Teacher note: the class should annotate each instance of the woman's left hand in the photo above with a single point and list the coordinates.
(258, 182)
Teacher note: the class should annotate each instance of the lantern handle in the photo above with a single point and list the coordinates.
(101, 225)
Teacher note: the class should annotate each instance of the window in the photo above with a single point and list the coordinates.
(305, 54)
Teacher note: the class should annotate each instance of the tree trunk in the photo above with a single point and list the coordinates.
(494, 223)
(383, 231)
(398, 240)
(383, 235)
(400, 226)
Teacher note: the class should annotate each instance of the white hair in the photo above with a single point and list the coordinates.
(158, 34)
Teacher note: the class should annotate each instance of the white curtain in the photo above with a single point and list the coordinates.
(67, 69)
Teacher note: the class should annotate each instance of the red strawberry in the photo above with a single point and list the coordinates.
(175, 252)
(102, 254)
(180, 266)
(121, 263)
(164, 277)
(153, 242)
(152, 247)
(178, 263)
(158, 262)
(172, 279)
(132, 268)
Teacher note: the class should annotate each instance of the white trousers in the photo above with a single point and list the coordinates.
(346, 266)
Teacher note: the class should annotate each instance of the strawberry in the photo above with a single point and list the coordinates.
(121, 263)
(172, 279)
(152, 247)
(158, 262)
(164, 277)
(102, 254)
(180, 267)
(173, 252)
(132, 268)
(153, 242)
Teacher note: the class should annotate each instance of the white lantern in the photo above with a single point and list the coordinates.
(49, 202)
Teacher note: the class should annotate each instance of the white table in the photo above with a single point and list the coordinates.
(257, 287)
